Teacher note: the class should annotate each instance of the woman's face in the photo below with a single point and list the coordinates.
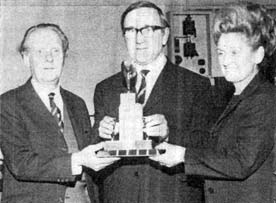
(237, 60)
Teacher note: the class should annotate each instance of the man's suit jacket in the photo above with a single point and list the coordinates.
(37, 165)
(239, 168)
(179, 95)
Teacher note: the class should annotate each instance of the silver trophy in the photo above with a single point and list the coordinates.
(131, 141)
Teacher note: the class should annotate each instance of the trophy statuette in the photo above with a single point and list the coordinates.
(132, 141)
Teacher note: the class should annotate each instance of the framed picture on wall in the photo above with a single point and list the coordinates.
(191, 45)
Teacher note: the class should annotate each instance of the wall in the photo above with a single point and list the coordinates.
(96, 45)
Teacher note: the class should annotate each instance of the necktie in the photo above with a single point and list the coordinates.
(55, 111)
(142, 91)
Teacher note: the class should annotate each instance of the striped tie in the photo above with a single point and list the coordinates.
(142, 91)
(55, 111)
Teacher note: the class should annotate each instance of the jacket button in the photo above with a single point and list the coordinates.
(64, 149)
(211, 190)
(136, 174)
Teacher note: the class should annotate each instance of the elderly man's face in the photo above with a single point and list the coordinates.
(144, 49)
(44, 56)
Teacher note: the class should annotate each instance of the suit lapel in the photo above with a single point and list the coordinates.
(158, 89)
(74, 117)
(33, 105)
(121, 86)
(155, 96)
(230, 108)
(249, 90)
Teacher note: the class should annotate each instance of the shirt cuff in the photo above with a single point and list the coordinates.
(76, 168)
(184, 155)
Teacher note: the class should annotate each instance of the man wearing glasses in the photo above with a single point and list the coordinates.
(173, 108)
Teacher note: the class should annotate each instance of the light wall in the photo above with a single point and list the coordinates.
(96, 44)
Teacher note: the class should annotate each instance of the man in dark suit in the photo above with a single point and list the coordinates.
(45, 129)
(175, 109)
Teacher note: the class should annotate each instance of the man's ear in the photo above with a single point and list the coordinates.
(165, 36)
(64, 57)
(26, 59)
(259, 55)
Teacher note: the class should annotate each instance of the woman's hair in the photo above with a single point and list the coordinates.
(253, 21)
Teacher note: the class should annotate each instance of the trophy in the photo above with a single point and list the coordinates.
(132, 141)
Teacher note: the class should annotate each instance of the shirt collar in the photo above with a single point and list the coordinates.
(253, 85)
(43, 91)
(155, 66)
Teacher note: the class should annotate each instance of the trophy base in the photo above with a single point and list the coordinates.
(139, 148)
(133, 152)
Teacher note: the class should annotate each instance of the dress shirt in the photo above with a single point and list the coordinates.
(43, 93)
(155, 69)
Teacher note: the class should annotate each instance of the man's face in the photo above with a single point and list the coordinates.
(145, 49)
(44, 56)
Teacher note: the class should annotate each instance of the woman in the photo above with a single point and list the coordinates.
(238, 167)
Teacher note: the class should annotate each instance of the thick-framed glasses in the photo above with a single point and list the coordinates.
(146, 31)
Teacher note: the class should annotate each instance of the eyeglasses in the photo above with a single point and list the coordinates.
(146, 31)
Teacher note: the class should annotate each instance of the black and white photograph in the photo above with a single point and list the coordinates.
(116, 101)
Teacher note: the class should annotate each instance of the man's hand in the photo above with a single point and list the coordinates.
(88, 157)
(173, 155)
(108, 127)
(156, 126)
